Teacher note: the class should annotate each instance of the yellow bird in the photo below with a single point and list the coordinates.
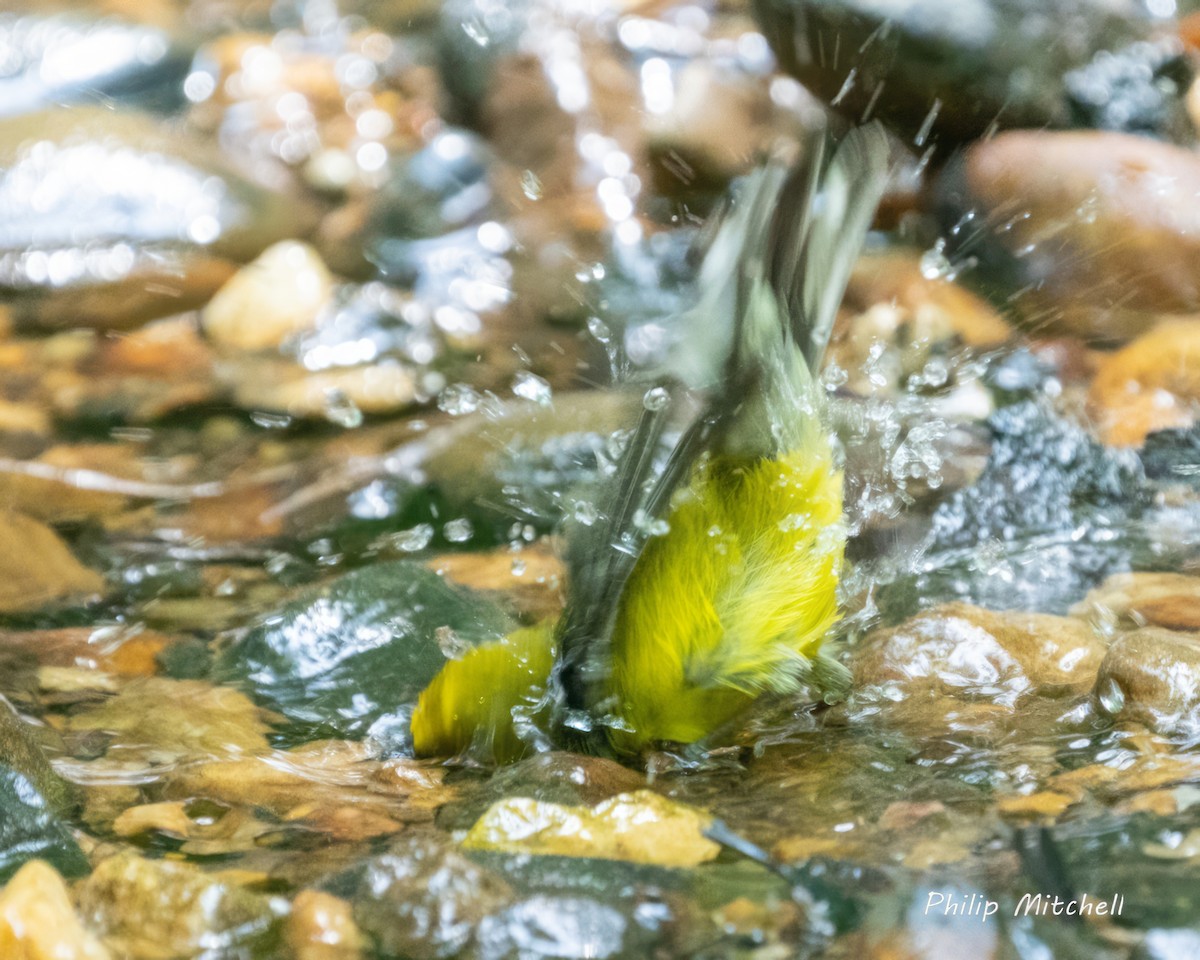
(712, 579)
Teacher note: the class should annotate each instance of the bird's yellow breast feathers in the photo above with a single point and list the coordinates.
(733, 600)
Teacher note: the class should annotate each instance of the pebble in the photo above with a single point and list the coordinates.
(38, 922)
(1152, 677)
(1151, 384)
(1170, 600)
(38, 569)
(280, 294)
(1096, 233)
(161, 908)
(321, 927)
(132, 220)
(969, 653)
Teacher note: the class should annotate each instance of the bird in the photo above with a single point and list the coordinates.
(710, 577)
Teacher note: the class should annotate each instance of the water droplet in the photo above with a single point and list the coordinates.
(411, 540)
(459, 399)
(518, 567)
(656, 398)
(1111, 697)
(453, 646)
(934, 264)
(599, 329)
(340, 409)
(459, 531)
(530, 386)
(586, 513)
(531, 185)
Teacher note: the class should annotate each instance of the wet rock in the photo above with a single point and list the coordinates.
(341, 395)
(424, 900)
(1170, 600)
(336, 109)
(948, 71)
(435, 190)
(547, 926)
(166, 720)
(321, 782)
(1051, 515)
(1171, 456)
(278, 295)
(640, 827)
(20, 752)
(1095, 232)
(349, 653)
(969, 653)
(322, 927)
(1149, 385)
(129, 221)
(54, 58)
(1152, 677)
(38, 921)
(29, 829)
(152, 909)
(37, 568)
(531, 579)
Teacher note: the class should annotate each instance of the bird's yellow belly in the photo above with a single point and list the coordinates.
(728, 603)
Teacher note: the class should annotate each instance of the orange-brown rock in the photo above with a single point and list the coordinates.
(1151, 384)
(1170, 600)
(1104, 225)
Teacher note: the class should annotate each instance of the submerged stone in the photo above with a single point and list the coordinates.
(346, 654)
(29, 830)
(1152, 677)
(38, 921)
(424, 900)
(159, 908)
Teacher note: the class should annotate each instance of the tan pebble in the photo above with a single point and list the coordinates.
(38, 922)
(278, 295)
(322, 927)
(965, 652)
(1152, 677)
(1162, 803)
(1170, 600)
(169, 817)
(1151, 384)
(798, 848)
(37, 568)
(1045, 804)
(902, 815)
